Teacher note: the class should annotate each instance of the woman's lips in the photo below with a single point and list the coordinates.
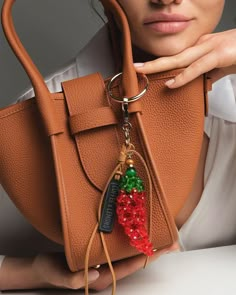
(167, 23)
(168, 27)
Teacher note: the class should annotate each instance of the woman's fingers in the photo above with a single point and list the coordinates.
(201, 66)
(180, 60)
(214, 54)
(52, 271)
(76, 280)
(125, 268)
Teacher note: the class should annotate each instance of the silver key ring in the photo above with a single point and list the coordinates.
(121, 99)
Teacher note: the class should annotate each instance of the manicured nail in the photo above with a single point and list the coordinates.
(93, 275)
(170, 82)
(138, 65)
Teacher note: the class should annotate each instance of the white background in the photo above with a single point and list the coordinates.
(53, 31)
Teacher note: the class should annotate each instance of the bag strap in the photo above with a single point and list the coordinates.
(43, 98)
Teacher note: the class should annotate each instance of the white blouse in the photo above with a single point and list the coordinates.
(212, 223)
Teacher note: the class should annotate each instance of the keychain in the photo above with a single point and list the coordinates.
(125, 194)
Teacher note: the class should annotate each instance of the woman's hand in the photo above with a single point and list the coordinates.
(40, 272)
(51, 271)
(214, 54)
(126, 267)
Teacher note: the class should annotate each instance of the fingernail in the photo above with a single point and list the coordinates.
(138, 64)
(170, 82)
(93, 275)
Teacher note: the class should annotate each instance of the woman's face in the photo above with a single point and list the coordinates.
(171, 26)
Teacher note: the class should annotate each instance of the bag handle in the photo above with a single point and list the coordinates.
(43, 98)
(129, 78)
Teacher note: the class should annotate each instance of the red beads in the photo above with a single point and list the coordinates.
(132, 216)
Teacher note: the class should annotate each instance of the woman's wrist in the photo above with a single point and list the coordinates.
(17, 273)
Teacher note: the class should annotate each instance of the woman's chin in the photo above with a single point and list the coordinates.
(145, 51)
(160, 51)
(167, 48)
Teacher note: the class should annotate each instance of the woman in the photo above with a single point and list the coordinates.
(179, 33)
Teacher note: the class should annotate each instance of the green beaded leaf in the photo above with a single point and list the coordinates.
(130, 181)
(130, 172)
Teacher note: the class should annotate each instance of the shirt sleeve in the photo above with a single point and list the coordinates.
(221, 102)
(53, 81)
(208, 125)
(1, 259)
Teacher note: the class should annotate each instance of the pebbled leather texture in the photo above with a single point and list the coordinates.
(58, 150)
(27, 172)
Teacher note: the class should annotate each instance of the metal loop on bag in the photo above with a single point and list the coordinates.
(129, 99)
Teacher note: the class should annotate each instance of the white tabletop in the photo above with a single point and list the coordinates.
(199, 272)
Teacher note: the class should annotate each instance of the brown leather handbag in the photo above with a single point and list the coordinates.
(58, 151)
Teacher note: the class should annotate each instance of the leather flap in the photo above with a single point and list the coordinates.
(90, 109)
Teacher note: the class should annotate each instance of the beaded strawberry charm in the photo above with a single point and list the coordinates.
(131, 211)
(125, 194)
